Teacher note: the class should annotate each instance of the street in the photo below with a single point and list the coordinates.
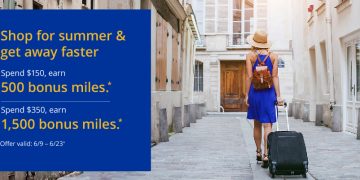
(220, 146)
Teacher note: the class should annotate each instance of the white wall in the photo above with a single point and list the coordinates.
(280, 34)
(312, 35)
(279, 24)
(345, 24)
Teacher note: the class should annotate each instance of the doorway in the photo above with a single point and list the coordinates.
(232, 86)
(353, 88)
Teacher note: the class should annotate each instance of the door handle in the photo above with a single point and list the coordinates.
(353, 89)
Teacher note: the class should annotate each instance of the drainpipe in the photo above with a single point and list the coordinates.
(330, 52)
(329, 49)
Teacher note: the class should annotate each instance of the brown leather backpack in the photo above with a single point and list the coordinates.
(262, 78)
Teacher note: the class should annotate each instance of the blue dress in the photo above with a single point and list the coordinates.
(262, 102)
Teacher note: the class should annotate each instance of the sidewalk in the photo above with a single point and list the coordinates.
(332, 155)
(222, 147)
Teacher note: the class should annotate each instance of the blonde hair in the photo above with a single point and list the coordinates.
(253, 48)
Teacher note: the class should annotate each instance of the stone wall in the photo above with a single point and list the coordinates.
(324, 115)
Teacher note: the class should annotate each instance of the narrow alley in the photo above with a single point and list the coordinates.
(199, 54)
(220, 146)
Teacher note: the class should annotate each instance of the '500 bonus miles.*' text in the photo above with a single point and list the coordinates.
(86, 87)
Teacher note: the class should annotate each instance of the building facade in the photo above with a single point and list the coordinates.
(71, 4)
(224, 26)
(173, 34)
(173, 50)
(327, 57)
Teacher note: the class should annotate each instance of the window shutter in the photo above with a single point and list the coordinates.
(161, 53)
(158, 50)
(175, 62)
(181, 61)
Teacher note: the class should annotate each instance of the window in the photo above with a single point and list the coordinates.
(198, 7)
(249, 18)
(216, 16)
(123, 4)
(9, 4)
(210, 16)
(37, 6)
(342, 5)
(198, 77)
(145, 4)
(341, 1)
(235, 18)
(244, 21)
(87, 4)
(222, 16)
(237, 22)
(261, 18)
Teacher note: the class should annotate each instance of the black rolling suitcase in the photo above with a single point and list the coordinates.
(287, 151)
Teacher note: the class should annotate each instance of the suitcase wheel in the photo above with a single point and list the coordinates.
(273, 176)
(304, 175)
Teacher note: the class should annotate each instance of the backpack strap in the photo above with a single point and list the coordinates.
(259, 60)
(272, 62)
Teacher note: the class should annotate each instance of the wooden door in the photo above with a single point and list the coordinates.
(232, 85)
(161, 53)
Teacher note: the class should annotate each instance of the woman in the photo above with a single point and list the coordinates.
(261, 103)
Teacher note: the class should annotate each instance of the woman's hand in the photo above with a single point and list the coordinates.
(280, 100)
(246, 100)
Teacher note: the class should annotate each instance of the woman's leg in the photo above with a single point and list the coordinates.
(257, 134)
(267, 130)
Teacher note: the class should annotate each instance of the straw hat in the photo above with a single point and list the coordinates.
(259, 40)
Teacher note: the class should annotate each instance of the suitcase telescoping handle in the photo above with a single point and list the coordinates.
(286, 114)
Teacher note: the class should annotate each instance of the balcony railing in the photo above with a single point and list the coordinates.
(201, 42)
(234, 40)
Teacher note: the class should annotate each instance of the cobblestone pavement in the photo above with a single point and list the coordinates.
(212, 148)
(222, 147)
(332, 155)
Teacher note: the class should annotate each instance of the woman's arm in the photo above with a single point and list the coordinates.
(249, 75)
(275, 76)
